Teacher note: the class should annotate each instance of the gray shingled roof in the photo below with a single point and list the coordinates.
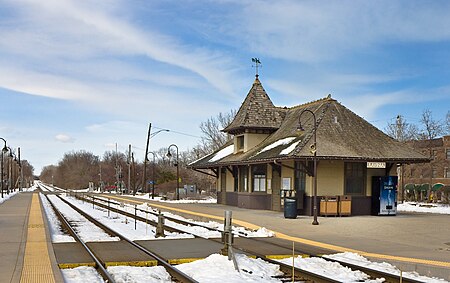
(256, 112)
(341, 134)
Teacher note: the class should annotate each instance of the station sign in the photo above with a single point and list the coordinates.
(376, 165)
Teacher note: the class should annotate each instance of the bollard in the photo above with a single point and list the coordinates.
(135, 216)
(227, 239)
(108, 207)
(160, 227)
(227, 236)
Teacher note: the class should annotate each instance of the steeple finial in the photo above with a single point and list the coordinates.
(257, 64)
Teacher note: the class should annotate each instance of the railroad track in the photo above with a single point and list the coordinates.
(176, 274)
(287, 269)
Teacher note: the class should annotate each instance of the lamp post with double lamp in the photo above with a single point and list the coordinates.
(4, 149)
(178, 169)
(153, 173)
(314, 152)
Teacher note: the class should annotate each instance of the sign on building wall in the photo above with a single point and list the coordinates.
(376, 165)
(286, 184)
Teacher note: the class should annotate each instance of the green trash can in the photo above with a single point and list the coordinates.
(290, 208)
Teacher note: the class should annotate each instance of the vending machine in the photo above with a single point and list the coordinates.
(384, 195)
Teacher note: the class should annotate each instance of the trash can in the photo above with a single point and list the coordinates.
(329, 205)
(290, 208)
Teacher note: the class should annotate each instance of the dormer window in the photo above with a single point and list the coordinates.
(240, 142)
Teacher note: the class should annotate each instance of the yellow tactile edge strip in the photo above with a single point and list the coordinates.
(301, 240)
(36, 265)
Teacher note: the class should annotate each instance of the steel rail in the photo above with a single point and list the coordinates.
(390, 278)
(128, 214)
(99, 266)
(173, 271)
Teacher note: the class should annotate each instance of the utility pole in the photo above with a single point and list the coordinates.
(399, 135)
(129, 168)
(20, 171)
(133, 169)
(100, 175)
(144, 178)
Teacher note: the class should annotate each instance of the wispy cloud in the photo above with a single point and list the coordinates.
(64, 138)
(309, 31)
(69, 29)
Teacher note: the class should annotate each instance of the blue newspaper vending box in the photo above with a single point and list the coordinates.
(384, 195)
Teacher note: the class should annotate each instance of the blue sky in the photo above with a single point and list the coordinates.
(88, 74)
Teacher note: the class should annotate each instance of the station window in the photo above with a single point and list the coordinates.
(240, 142)
(448, 154)
(355, 175)
(259, 178)
(447, 173)
(243, 173)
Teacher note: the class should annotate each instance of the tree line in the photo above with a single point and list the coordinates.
(78, 168)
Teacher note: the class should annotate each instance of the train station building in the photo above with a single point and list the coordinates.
(272, 152)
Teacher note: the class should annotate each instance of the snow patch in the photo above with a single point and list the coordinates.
(290, 148)
(223, 153)
(424, 208)
(277, 143)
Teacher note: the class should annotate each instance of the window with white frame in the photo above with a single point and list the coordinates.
(448, 153)
(447, 172)
(259, 178)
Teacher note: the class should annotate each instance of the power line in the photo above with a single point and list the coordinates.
(180, 133)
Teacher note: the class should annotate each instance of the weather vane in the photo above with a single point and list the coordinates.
(257, 64)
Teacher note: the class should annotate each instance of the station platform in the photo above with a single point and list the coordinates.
(26, 253)
(410, 241)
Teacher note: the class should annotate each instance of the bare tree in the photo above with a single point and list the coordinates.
(213, 137)
(447, 122)
(402, 130)
(431, 129)
(76, 170)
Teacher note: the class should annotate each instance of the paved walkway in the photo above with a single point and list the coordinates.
(411, 241)
(16, 228)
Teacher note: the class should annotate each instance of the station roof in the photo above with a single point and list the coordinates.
(341, 135)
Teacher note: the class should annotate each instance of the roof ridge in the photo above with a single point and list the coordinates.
(324, 99)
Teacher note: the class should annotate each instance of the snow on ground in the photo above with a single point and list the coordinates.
(383, 266)
(58, 236)
(424, 207)
(198, 231)
(7, 196)
(328, 269)
(82, 274)
(133, 274)
(160, 199)
(87, 231)
(217, 268)
(122, 224)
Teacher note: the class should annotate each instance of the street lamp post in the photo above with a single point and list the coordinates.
(153, 173)
(4, 149)
(314, 151)
(149, 136)
(178, 169)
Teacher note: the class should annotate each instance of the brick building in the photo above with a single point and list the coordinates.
(418, 176)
